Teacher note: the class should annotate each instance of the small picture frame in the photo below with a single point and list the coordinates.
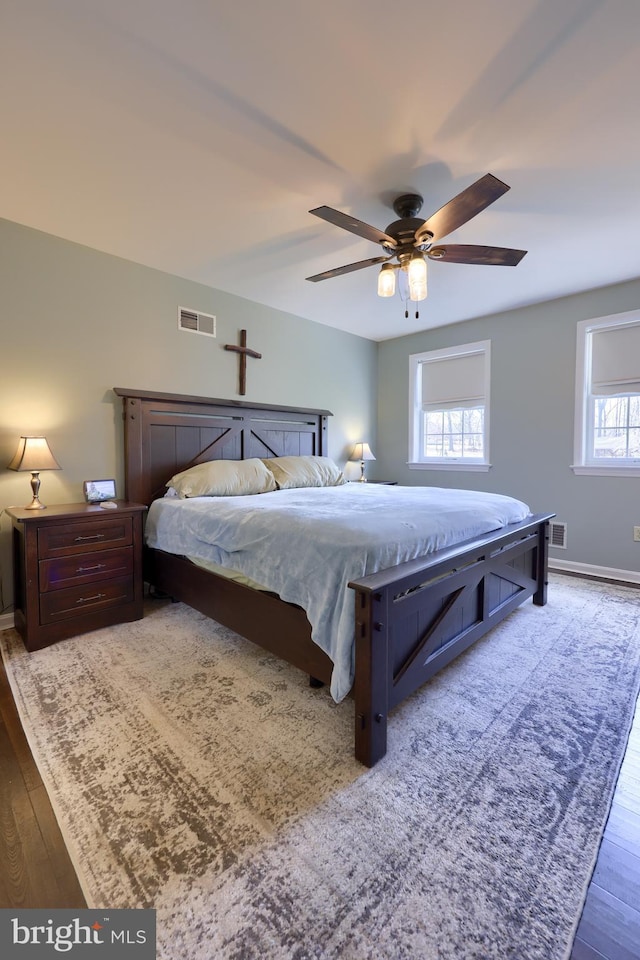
(95, 491)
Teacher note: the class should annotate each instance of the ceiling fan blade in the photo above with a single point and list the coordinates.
(461, 209)
(471, 253)
(349, 268)
(353, 226)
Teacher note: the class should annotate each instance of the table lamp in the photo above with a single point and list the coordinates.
(34, 454)
(362, 452)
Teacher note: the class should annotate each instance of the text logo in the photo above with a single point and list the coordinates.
(80, 934)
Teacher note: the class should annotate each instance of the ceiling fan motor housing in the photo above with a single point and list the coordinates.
(404, 230)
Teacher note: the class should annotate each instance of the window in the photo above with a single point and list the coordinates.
(607, 422)
(449, 408)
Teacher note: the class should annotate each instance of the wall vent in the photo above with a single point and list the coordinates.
(193, 321)
(558, 534)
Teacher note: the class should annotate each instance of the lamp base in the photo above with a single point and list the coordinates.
(35, 489)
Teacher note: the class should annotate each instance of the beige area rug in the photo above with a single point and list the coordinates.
(193, 773)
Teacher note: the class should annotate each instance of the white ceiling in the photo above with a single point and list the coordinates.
(195, 135)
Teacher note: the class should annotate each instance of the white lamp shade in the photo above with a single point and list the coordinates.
(362, 451)
(34, 454)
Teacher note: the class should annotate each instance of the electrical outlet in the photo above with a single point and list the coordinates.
(636, 534)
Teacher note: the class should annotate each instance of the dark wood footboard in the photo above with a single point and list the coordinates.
(413, 619)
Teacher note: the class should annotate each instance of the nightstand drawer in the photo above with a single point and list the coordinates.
(65, 539)
(62, 572)
(74, 601)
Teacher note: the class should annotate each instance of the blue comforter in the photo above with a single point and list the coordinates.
(307, 544)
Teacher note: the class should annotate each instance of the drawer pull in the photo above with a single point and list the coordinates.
(94, 536)
(96, 566)
(97, 596)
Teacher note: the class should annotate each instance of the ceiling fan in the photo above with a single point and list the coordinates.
(410, 240)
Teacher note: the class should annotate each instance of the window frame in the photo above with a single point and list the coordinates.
(416, 460)
(584, 464)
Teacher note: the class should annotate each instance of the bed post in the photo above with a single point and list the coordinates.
(542, 563)
(134, 449)
(371, 683)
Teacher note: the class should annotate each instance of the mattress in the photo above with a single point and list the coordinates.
(307, 544)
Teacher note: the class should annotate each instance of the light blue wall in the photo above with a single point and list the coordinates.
(532, 413)
(76, 322)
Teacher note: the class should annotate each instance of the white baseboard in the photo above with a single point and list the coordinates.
(590, 570)
(6, 621)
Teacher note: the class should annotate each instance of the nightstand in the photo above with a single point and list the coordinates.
(77, 567)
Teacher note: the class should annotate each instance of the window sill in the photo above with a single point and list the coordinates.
(455, 465)
(602, 471)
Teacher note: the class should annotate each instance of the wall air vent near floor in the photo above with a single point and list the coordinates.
(193, 321)
(558, 534)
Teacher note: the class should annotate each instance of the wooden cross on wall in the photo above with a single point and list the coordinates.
(244, 352)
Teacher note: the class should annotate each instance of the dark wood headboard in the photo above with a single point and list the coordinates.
(168, 432)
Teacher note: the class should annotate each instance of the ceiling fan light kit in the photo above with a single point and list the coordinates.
(417, 276)
(386, 280)
(410, 241)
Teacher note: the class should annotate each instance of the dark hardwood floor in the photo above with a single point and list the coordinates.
(35, 869)
(610, 923)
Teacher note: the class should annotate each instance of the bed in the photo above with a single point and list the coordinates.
(409, 619)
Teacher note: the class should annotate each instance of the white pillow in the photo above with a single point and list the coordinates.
(305, 472)
(224, 478)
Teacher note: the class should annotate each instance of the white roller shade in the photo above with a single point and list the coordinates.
(615, 361)
(454, 382)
